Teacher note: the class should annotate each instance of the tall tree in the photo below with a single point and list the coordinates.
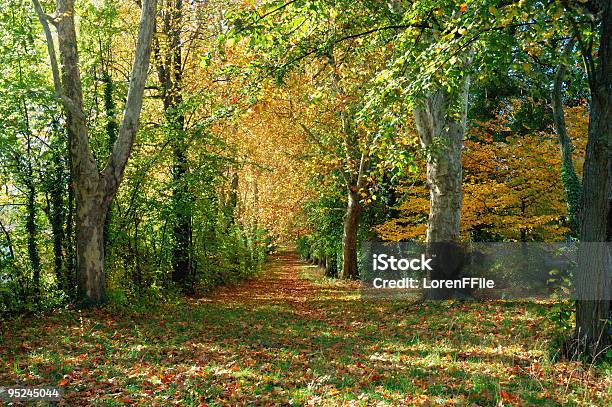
(571, 183)
(434, 83)
(357, 162)
(31, 207)
(169, 62)
(594, 282)
(94, 188)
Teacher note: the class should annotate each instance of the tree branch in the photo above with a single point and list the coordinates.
(68, 103)
(350, 37)
(113, 172)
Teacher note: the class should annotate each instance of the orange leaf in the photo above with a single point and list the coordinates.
(62, 382)
(167, 378)
(463, 8)
(375, 377)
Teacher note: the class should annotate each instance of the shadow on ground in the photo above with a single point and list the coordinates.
(294, 337)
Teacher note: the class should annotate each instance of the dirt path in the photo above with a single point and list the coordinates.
(285, 282)
(279, 283)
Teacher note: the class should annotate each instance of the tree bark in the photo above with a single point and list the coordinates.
(31, 227)
(94, 189)
(441, 134)
(594, 282)
(233, 198)
(181, 251)
(32, 230)
(90, 215)
(70, 275)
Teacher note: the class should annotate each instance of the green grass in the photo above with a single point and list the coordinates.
(294, 337)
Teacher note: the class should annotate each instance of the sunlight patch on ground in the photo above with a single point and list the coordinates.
(288, 337)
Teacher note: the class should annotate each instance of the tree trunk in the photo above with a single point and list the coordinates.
(233, 198)
(31, 227)
(355, 178)
(32, 230)
(442, 137)
(594, 282)
(331, 267)
(170, 73)
(181, 251)
(441, 134)
(349, 237)
(594, 260)
(56, 218)
(90, 215)
(9, 241)
(571, 183)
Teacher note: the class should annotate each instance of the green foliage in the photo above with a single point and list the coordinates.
(33, 172)
(561, 315)
(302, 247)
(36, 182)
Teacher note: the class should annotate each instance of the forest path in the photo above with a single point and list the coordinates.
(293, 337)
(281, 283)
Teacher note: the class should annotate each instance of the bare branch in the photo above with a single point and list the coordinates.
(42, 17)
(311, 135)
(364, 167)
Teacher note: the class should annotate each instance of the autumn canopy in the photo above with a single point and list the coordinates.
(187, 188)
